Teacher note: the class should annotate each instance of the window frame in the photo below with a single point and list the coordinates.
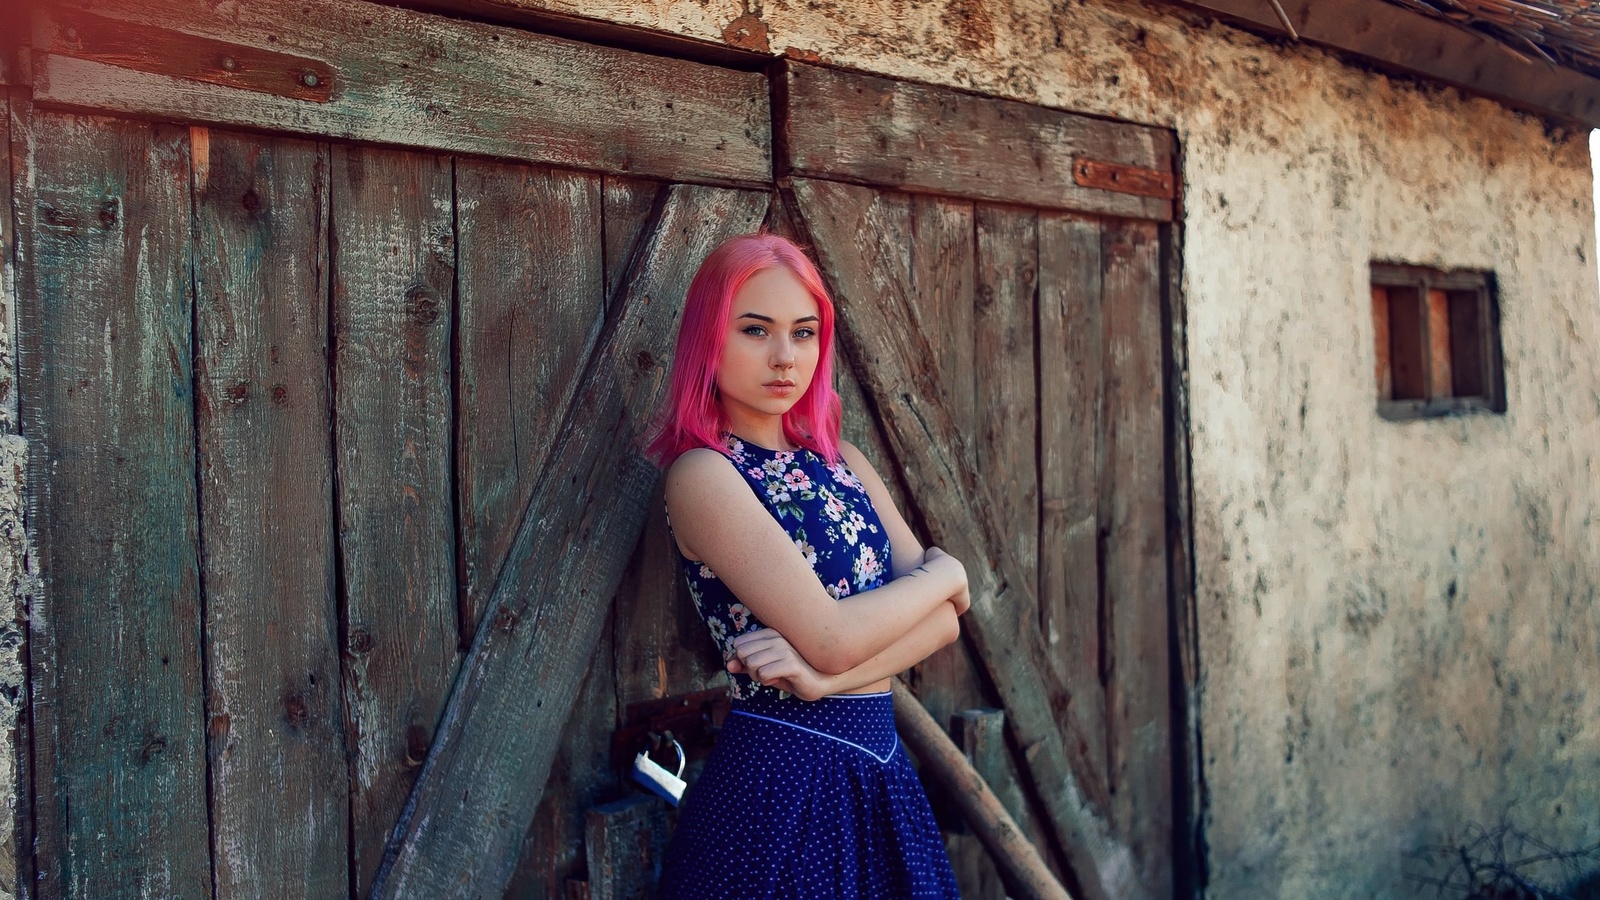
(1435, 401)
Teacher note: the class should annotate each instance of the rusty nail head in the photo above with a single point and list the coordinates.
(229, 63)
(70, 33)
(310, 79)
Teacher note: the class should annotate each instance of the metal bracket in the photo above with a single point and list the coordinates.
(694, 720)
(64, 31)
(1123, 179)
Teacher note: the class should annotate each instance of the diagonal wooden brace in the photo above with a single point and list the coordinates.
(896, 365)
(462, 829)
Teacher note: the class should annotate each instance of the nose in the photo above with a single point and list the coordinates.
(783, 353)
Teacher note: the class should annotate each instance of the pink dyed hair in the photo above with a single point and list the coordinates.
(693, 414)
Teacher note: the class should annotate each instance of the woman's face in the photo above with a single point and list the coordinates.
(772, 346)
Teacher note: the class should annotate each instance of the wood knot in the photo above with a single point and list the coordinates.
(154, 745)
(280, 395)
(505, 621)
(645, 360)
(416, 745)
(422, 308)
(295, 709)
(238, 393)
(251, 201)
(108, 214)
(360, 641)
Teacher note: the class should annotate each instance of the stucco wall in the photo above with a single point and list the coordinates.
(1398, 621)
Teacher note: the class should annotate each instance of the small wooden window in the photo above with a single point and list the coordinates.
(1438, 342)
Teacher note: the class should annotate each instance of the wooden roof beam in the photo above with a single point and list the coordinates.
(1410, 43)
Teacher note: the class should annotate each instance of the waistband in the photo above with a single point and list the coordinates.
(864, 721)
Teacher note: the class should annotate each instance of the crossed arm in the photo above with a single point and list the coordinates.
(814, 645)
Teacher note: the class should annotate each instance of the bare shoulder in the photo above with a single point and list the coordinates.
(859, 464)
(698, 474)
(699, 481)
(853, 457)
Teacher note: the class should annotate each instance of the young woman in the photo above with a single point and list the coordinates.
(814, 589)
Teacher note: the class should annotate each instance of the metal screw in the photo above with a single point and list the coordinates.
(229, 63)
(310, 79)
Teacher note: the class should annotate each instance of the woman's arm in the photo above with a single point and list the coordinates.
(718, 519)
(770, 659)
(904, 549)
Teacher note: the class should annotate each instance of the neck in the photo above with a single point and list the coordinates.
(766, 431)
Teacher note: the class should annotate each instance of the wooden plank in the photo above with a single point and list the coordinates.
(447, 84)
(1405, 41)
(143, 48)
(108, 408)
(872, 130)
(530, 308)
(1189, 783)
(1024, 868)
(659, 649)
(1005, 331)
(393, 295)
(980, 734)
(942, 283)
(624, 841)
(862, 251)
(279, 783)
(660, 645)
(629, 203)
(13, 176)
(18, 216)
(1071, 391)
(1136, 649)
(1382, 366)
(1408, 343)
(1441, 382)
(553, 851)
(463, 827)
(944, 288)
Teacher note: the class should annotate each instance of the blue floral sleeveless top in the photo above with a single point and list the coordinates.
(827, 513)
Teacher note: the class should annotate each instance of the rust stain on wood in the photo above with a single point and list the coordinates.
(1123, 179)
(747, 32)
(159, 51)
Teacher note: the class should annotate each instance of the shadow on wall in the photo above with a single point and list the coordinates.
(1506, 863)
(1594, 165)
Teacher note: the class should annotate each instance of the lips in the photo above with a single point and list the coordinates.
(780, 384)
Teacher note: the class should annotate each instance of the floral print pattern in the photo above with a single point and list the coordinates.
(829, 516)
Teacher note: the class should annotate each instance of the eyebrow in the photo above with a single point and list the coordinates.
(771, 321)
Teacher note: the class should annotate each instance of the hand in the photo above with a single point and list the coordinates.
(768, 658)
(938, 562)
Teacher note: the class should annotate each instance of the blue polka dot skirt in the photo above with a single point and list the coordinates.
(807, 800)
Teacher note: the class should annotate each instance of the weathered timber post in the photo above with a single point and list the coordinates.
(942, 759)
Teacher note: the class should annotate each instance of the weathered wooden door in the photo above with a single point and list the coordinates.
(329, 314)
(1001, 273)
(289, 396)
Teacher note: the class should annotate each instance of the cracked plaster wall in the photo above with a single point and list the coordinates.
(1398, 621)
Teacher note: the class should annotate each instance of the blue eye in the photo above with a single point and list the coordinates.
(754, 330)
(806, 333)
